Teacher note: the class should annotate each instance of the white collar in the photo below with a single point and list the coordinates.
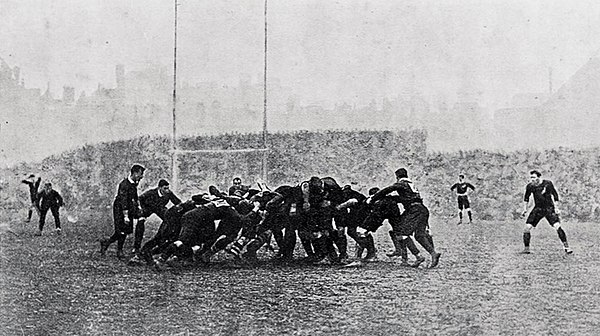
(159, 193)
(130, 180)
(404, 179)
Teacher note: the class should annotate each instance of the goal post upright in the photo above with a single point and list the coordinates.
(174, 158)
(176, 151)
(264, 130)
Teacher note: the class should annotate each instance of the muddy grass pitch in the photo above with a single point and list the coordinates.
(59, 285)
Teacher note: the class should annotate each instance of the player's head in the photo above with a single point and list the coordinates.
(31, 176)
(137, 172)
(163, 185)
(401, 173)
(461, 177)
(535, 176)
(237, 181)
(373, 191)
(315, 185)
(47, 186)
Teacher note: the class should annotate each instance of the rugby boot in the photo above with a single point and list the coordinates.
(568, 250)
(359, 251)
(420, 259)
(371, 250)
(205, 257)
(397, 245)
(146, 256)
(103, 247)
(435, 259)
(526, 250)
(343, 258)
(136, 260)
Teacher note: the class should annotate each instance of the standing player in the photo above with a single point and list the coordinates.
(545, 198)
(125, 210)
(49, 199)
(462, 189)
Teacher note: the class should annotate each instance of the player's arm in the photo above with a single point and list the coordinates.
(454, 186)
(469, 185)
(174, 199)
(122, 196)
(554, 195)
(526, 200)
(275, 201)
(39, 197)
(60, 201)
(305, 195)
(383, 192)
(347, 204)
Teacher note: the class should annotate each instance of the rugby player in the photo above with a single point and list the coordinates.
(414, 219)
(545, 200)
(462, 189)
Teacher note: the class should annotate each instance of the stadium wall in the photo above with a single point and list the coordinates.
(88, 176)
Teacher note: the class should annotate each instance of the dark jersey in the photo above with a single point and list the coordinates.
(330, 191)
(284, 197)
(238, 190)
(127, 197)
(462, 188)
(33, 188)
(151, 201)
(407, 193)
(542, 194)
(47, 200)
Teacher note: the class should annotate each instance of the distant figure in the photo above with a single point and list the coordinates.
(125, 210)
(238, 189)
(462, 189)
(33, 185)
(153, 201)
(49, 199)
(545, 198)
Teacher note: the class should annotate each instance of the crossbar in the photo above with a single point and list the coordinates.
(244, 150)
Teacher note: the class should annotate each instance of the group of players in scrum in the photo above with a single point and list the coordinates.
(318, 211)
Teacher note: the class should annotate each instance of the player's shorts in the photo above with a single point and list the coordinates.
(538, 213)
(463, 202)
(414, 220)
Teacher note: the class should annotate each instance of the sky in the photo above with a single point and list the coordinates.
(324, 51)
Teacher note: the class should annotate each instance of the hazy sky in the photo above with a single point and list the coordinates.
(323, 50)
